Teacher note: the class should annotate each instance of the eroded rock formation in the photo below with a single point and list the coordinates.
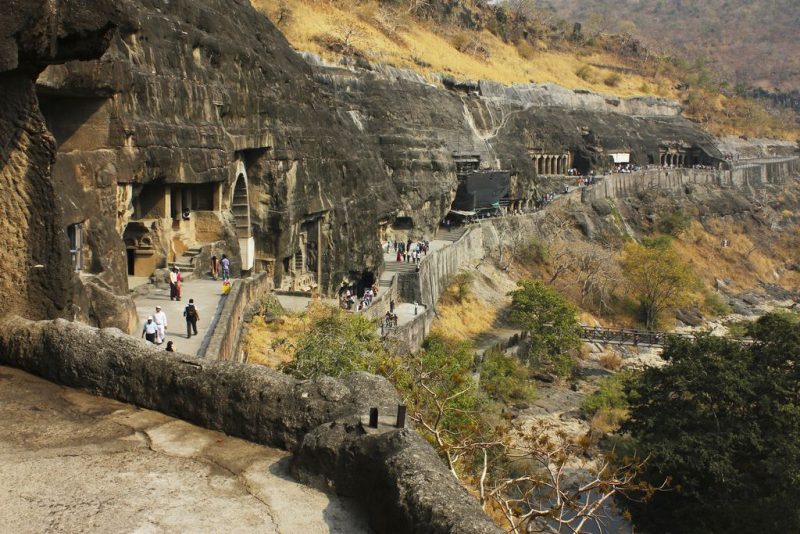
(286, 164)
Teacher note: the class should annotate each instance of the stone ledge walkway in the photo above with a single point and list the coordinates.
(74, 462)
(207, 295)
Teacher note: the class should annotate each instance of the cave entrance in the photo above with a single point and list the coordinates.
(131, 258)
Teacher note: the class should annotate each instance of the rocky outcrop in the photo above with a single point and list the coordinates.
(154, 104)
(395, 475)
(38, 281)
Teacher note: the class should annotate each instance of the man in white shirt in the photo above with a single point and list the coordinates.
(160, 318)
(150, 330)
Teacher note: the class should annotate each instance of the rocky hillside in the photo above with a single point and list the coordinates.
(754, 43)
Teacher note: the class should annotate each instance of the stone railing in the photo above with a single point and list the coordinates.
(753, 174)
(393, 473)
(228, 325)
(410, 336)
(438, 267)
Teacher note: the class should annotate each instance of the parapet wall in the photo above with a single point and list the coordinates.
(435, 271)
(410, 336)
(229, 325)
(752, 175)
(396, 476)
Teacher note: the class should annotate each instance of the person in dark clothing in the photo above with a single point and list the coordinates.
(191, 315)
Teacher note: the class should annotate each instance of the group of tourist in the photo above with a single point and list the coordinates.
(627, 168)
(225, 263)
(348, 297)
(409, 251)
(155, 327)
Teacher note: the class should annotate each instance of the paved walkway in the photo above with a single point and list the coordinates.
(206, 295)
(74, 462)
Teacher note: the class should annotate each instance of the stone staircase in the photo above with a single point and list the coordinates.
(452, 234)
(186, 262)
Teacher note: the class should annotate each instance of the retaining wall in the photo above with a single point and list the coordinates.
(752, 175)
(410, 336)
(436, 269)
(396, 475)
(228, 326)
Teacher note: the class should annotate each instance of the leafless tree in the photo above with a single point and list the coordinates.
(549, 495)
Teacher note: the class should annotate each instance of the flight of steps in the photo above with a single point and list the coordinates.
(186, 262)
(452, 234)
(240, 210)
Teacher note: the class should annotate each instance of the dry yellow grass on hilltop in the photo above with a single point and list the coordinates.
(408, 43)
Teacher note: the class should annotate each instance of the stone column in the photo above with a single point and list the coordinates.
(167, 202)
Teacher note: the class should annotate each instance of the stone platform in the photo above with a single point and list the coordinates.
(73, 462)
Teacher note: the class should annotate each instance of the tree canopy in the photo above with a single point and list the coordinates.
(722, 421)
(550, 322)
(658, 277)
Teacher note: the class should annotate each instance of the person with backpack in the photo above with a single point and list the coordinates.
(190, 312)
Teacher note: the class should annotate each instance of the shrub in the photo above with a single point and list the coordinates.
(715, 304)
(674, 223)
(526, 50)
(462, 285)
(338, 343)
(504, 377)
(613, 80)
(586, 73)
(610, 396)
(611, 361)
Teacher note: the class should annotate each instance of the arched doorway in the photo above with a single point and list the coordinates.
(240, 207)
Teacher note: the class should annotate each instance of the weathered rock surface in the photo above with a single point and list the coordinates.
(397, 477)
(396, 474)
(142, 96)
(73, 462)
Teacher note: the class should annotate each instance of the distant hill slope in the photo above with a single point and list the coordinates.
(456, 43)
(757, 43)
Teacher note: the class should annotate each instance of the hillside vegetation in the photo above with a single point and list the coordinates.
(753, 43)
(517, 42)
(431, 43)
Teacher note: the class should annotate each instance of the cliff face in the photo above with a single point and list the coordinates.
(288, 164)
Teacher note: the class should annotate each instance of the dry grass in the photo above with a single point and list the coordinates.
(273, 344)
(610, 360)
(464, 317)
(429, 50)
(745, 262)
(608, 420)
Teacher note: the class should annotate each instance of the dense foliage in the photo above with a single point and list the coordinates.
(550, 323)
(338, 343)
(659, 278)
(722, 421)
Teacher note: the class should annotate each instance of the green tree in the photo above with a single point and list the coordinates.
(550, 322)
(658, 277)
(722, 421)
(338, 343)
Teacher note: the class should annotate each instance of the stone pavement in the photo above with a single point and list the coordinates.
(73, 462)
(206, 295)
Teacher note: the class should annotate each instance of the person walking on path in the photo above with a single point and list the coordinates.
(150, 330)
(214, 267)
(191, 315)
(226, 267)
(160, 318)
(173, 283)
